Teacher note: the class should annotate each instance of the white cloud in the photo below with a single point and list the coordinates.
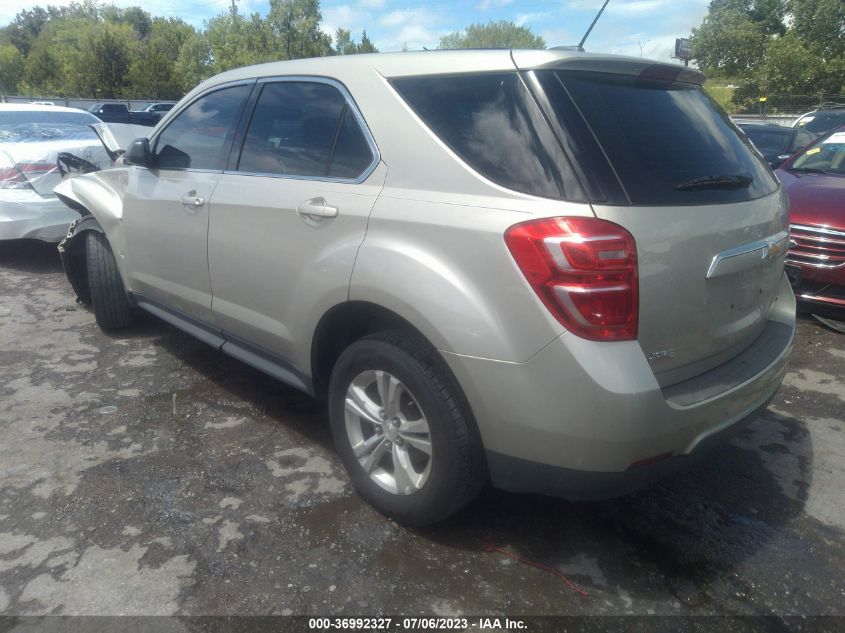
(522, 19)
(414, 28)
(347, 17)
(486, 5)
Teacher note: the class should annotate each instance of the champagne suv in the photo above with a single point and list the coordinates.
(555, 271)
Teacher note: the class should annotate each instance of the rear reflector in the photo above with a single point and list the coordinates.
(585, 272)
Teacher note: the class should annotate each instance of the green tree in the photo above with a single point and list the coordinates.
(194, 62)
(820, 25)
(728, 41)
(11, 69)
(774, 46)
(501, 34)
(102, 69)
(295, 28)
(345, 45)
(42, 73)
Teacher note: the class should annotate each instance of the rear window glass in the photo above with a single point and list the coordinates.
(29, 117)
(493, 124)
(667, 142)
(769, 141)
(304, 129)
(821, 122)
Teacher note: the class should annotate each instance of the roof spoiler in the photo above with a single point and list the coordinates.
(569, 58)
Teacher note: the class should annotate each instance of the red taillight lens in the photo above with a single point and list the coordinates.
(585, 272)
(20, 175)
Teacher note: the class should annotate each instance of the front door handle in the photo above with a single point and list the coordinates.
(316, 209)
(192, 201)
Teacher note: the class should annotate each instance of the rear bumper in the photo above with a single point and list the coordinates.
(34, 217)
(578, 418)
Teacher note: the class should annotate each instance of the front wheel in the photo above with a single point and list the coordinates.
(402, 429)
(108, 296)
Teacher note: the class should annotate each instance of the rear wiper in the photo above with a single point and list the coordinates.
(728, 182)
(808, 170)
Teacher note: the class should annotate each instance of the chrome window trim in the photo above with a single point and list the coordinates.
(817, 229)
(173, 113)
(359, 119)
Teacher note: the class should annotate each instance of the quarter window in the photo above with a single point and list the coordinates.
(304, 129)
(200, 136)
(493, 124)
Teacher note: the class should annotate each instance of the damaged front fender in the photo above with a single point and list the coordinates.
(98, 197)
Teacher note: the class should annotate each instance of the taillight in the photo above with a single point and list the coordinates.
(585, 272)
(20, 175)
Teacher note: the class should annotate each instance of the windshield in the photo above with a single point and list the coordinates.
(821, 122)
(35, 117)
(667, 142)
(827, 156)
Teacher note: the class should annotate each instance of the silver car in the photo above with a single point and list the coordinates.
(31, 139)
(554, 271)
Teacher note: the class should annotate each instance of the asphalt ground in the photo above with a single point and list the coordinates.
(148, 474)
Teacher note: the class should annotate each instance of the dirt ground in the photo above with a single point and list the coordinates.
(148, 474)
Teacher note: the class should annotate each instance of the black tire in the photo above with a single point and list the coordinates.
(458, 470)
(108, 296)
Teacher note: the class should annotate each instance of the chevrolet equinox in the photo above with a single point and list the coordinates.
(555, 271)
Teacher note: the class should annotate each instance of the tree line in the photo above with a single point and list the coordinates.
(88, 49)
(91, 50)
(774, 47)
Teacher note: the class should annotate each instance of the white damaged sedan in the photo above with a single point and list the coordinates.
(34, 139)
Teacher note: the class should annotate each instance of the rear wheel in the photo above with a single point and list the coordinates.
(108, 296)
(402, 429)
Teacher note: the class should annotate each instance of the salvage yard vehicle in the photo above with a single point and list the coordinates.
(32, 137)
(494, 265)
(815, 183)
(775, 142)
(120, 113)
(822, 120)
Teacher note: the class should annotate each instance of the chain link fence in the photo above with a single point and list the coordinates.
(83, 104)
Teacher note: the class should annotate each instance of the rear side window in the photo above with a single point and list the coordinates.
(821, 122)
(492, 123)
(667, 142)
(769, 141)
(201, 134)
(304, 129)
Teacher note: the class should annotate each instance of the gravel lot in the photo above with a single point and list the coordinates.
(149, 474)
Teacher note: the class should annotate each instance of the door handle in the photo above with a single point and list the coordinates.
(316, 209)
(192, 201)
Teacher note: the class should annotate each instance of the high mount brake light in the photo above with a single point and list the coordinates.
(585, 272)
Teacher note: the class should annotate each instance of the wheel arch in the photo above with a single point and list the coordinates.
(342, 325)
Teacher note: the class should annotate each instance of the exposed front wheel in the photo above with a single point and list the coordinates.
(108, 296)
(402, 429)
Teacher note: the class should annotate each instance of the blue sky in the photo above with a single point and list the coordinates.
(628, 27)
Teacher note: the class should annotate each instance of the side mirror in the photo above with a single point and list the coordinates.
(138, 153)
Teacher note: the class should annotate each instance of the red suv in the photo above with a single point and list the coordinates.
(815, 182)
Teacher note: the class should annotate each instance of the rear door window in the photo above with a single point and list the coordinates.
(304, 129)
(494, 125)
(667, 142)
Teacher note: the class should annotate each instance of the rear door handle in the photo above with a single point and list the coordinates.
(316, 209)
(192, 201)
